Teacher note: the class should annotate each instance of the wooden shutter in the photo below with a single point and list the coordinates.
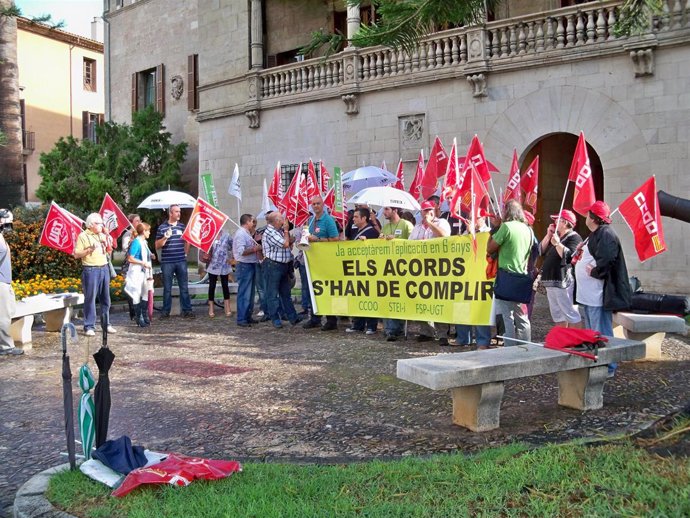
(271, 61)
(193, 82)
(84, 125)
(135, 92)
(160, 89)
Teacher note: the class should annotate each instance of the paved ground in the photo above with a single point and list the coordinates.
(207, 387)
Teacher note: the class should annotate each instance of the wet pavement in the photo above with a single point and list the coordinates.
(207, 387)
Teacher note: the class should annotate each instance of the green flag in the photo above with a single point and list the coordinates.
(209, 189)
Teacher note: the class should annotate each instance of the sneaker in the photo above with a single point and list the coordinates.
(90, 332)
(329, 327)
(392, 338)
(260, 314)
(188, 314)
(297, 320)
(352, 330)
(164, 315)
(11, 351)
(112, 330)
(244, 324)
(310, 324)
(278, 324)
(370, 332)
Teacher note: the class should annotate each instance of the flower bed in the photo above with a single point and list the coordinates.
(42, 284)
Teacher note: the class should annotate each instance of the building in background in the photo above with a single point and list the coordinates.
(231, 81)
(61, 91)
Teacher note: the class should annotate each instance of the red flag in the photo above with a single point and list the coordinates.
(476, 154)
(529, 182)
(435, 168)
(581, 174)
(60, 230)
(325, 178)
(114, 220)
(640, 211)
(418, 175)
(512, 191)
(275, 190)
(312, 184)
(400, 174)
(204, 225)
(294, 206)
(453, 173)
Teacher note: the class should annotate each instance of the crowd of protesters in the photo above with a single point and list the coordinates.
(265, 261)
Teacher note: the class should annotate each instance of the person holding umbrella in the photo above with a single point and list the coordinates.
(92, 249)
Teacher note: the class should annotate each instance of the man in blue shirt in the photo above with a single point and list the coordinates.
(322, 227)
(173, 260)
(246, 251)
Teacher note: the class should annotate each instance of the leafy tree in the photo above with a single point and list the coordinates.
(403, 23)
(128, 161)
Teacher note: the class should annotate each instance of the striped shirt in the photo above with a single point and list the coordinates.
(240, 243)
(274, 245)
(173, 249)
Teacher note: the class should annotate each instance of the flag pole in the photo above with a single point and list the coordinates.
(493, 189)
(558, 220)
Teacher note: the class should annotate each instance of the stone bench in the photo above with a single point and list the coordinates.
(476, 378)
(194, 289)
(650, 329)
(56, 309)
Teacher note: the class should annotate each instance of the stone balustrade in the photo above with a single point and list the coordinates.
(572, 33)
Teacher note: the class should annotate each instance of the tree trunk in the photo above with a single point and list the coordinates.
(11, 159)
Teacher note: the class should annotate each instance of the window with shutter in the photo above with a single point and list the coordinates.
(160, 89)
(89, 74)
(193, 82)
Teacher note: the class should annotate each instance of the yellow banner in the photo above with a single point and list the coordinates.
(437, 280)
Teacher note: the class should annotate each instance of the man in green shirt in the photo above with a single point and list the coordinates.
(513, 242)
(396, 228)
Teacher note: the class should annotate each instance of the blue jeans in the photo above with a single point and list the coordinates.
(464, 334)
(260, 282)
(179, 270)
(393, 327)
(246, 277)
(278, 294)
(359, 323)
(306, 297)
(95, 282)
(597, 318)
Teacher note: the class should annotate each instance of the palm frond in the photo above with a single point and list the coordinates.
(635, 16)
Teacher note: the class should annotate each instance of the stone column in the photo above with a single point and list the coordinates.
(352, 21)
(257, 35)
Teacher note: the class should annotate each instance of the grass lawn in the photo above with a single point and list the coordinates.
(613, 479)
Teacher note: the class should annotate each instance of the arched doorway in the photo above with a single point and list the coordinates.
(555, 156)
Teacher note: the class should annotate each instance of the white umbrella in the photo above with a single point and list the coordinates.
(385, 197)
(367, 176)
(163, 200)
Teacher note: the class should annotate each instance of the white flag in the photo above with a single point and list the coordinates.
(265, 202)
(235, 189)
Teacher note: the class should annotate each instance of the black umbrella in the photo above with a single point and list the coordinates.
(67, 392)
(104, 358)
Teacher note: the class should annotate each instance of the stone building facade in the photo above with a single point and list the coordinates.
(530, 80)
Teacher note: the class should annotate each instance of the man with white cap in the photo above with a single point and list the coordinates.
(557, 248)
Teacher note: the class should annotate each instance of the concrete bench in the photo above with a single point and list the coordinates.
(476, 378)
(56, 309)
(194, 289)
(650, 329)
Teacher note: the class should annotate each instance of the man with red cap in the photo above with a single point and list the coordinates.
(557, 249)
(601, 274)
(431, 227)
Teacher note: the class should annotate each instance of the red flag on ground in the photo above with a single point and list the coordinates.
(452, 177)
(530, 184)
(400, 175)
(325, 178)
(581, 174)
(312, 183)
(114, 220)
(640, 211)
(60, 230)
(275, 190)
(416, 185)
(204, 225)
(512, 191)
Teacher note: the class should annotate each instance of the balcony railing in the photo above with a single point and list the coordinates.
(28, 141)
(572, 33)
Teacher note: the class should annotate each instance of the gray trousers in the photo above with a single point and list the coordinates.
(7, 308)
(515, 320)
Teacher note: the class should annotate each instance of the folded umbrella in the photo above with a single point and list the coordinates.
(67, 398)
(104, 358)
